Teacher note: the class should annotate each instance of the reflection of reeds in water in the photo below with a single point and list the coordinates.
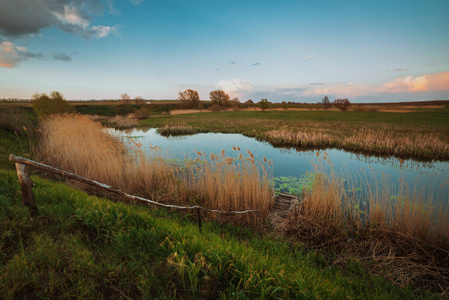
(79, 145)
(412, 213)
(382, 141)
(400, 230)
(176, 129)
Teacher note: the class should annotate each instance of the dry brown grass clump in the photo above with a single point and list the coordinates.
(97, 118)
(380, 141)
(307, 137)
(124, 121)
(180, 128)
(79, 145)
(359, 107)
(404, 239)
(397, 142)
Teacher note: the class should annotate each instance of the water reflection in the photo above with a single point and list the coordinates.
(292, 168)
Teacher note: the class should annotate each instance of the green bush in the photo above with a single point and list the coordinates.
(264, 104)
(53, 104)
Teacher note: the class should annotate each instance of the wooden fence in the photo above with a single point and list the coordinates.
(29, 201)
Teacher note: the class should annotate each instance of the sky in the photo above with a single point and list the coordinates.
(283, 50)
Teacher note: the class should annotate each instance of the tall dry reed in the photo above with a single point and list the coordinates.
(380, 141)
(179, 128)
(79, 145)
(128, 121)
(400, 230)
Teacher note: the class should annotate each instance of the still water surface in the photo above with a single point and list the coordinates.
(290, 167)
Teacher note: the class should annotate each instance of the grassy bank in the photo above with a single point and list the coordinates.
(81, 246)
(76, 144)
(420, 135)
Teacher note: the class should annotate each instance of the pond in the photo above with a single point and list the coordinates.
(291, 168)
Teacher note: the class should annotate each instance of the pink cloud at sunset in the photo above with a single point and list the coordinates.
(8, 54)
(426, 83)
(344, 90)
(11, 55)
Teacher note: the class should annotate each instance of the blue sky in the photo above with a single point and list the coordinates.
(367, 51)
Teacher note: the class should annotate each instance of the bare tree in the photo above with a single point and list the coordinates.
(326, 103)
(219, 97)
(126, 99)
(139, 101)
(342, 104)
(235, 103)
(189, 98)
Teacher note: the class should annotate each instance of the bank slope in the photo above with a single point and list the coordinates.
(84, 246)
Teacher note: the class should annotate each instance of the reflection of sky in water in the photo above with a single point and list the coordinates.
(432, 177)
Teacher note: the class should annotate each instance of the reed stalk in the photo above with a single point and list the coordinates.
(380, 141)
(77, 144)
(402, 229)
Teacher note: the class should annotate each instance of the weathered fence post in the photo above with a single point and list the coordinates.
(198, 210)
(28, 198)
(26, 184)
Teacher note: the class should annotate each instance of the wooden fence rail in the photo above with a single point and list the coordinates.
(29, 201)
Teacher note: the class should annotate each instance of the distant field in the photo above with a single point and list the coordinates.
(413, 134)
(410, 129)
(246, 121)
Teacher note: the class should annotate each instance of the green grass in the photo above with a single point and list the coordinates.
(17, 144)
(81, 246)
(338, 125)
(109, 110)
(263, 121)
(101, 110)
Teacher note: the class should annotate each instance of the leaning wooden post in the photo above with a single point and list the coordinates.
(198, 210)
(27, 193)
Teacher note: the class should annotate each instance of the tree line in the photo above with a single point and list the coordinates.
(44, 104)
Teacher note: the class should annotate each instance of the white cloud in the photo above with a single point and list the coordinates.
(233, 86)
(103, 31)
(71, 15)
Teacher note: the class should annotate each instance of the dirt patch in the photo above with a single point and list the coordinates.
(187, 111)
